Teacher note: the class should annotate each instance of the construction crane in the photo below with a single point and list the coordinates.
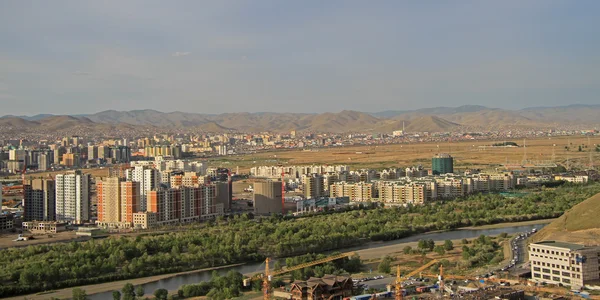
(267, 275)
(399, 279)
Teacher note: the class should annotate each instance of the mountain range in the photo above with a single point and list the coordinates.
(437, 119)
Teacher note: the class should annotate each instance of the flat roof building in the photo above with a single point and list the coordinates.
(267, 197)
(565, 263)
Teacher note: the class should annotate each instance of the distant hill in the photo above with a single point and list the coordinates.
(437, 119)
(577, 225)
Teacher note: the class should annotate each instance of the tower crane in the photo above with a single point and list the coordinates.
(267, 275)
(399, 279)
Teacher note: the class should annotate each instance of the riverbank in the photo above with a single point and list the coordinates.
(110, 286)
(509, 224)
(368, 251)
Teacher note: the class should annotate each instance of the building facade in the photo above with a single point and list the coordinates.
(39, 200)
(314, 186)
(267, 197)
(564, 263)
(442, 164)
(72, 197)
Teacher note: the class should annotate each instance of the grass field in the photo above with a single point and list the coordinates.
(467, 154)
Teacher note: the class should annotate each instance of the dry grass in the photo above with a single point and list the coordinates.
(467, 154)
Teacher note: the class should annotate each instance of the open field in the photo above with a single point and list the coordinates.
(467, 154)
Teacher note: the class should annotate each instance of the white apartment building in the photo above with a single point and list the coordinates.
(564, 263)
(149, 180)
(72, 197)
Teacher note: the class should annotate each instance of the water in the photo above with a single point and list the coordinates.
(173, 283)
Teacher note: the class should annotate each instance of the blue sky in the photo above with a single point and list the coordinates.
(69, 57)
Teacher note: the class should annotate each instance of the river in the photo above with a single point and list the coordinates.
(173, 283)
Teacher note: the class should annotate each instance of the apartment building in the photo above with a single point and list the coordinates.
(72, 197)
(39, 203)
(109, 201)
(149, 179)
(564, 263)
(185, 204)
(314, 186)
(267, 197)
(357, 192)
(130, 200)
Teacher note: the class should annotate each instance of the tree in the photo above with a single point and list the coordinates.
(161, 294)
(79, 294)
(139, 291)
(439, 249)
(277, 266)
(407, 250)
(128, 292)
(448, 245)
(385, 266)
(116, 295)
(465, 241)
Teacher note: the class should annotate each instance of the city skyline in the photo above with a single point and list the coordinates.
(81, 57)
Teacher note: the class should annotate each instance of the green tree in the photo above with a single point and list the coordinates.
(277, 266)
(407, 250)
(465, 241)
(385, 266)
(139, 291)
(79, 294)
(128, 292)
(439, 249)
(116, 295)
(161, 294)
(448, 245)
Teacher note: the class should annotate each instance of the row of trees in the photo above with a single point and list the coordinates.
(243, 239)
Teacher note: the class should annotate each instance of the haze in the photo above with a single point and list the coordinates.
(69, 57)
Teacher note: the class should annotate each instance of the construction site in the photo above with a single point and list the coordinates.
(414, 284)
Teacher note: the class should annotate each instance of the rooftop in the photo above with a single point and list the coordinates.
(565, 245)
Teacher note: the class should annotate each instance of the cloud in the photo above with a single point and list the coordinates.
(81, 73)
(177, 54)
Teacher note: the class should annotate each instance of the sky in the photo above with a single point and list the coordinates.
(75, 57)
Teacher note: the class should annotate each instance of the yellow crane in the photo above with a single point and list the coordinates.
(267, 275)
(399, 279)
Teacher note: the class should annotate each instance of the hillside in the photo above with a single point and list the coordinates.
(437, 119)
(577, 225)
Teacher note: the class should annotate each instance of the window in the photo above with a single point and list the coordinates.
(537, 275)
(556, 278)
(546, 271)
(536, 269)
(556, 272)
(546, 277)
(565, 280)
(567, 274)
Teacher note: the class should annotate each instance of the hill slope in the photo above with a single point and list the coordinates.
(577, 225)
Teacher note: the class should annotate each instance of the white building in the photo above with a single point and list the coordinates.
(148, 178)
(72, 197)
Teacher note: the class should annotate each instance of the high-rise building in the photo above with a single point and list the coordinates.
(58, 154)
(43, 162)
(130, 200)
(72, 197)
(442, 164)
(314, 186)
(70, 160)
(185, 204)
(267, 197)
(109, 200)
(103, 152)
(223, 194)
(149, 180)
(39, 202)
(0, 197)
(92, 153)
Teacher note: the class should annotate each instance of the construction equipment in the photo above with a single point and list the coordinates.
(399, 279)
(267, 275)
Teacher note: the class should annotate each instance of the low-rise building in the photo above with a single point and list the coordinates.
(564, 263)
(44, 227)
(327, 287)
(6, 222)
(144, 220)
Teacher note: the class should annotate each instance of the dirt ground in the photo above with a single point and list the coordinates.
(7, 239)
(467, 154)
